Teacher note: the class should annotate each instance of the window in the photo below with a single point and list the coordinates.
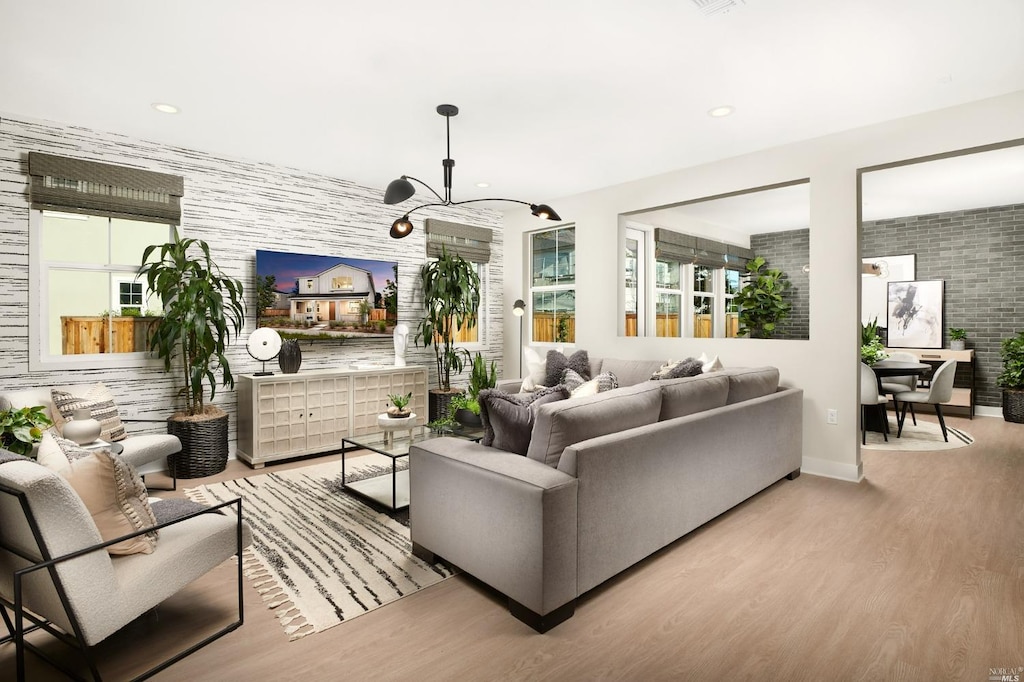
(472, 335)
(668, 298)
(553, 285)
(342, 283)
(635, 266)
(88, 299)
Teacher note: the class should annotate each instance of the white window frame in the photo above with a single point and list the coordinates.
(644, 302)
(547, 288)
(40, 358)
(483, 270)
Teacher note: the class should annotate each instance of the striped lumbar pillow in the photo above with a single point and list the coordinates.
(99, 401)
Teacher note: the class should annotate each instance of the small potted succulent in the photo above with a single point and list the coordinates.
(399, 408)
(21, 428)
(957, 338)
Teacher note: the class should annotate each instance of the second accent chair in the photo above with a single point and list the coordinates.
(940, 391)
(870, 400)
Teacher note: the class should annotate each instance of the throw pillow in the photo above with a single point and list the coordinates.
(508, 419)
(116, 498)
(174, 508)
(100, 402)
(557, 363)
(710, 365)
(678, 369)
(52, 453)
(578, 386)
(536, 370)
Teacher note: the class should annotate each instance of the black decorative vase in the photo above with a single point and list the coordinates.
(204, 446)
(290, 357)
(468, 418)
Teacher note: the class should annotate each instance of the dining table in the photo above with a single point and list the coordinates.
(892, 368)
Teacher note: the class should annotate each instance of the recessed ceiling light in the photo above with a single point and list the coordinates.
(483, 184)
(719, 112)
(165, 108)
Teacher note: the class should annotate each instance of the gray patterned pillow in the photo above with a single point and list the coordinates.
(605, 381)
(557, 363)
(508, 418)
(678, 369)
(100, 402)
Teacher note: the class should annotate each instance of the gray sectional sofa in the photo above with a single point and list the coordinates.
(608, 480)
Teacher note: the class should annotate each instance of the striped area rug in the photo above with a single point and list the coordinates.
(925, 435)
(319, 556)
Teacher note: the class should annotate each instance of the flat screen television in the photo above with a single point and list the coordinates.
(311, 297)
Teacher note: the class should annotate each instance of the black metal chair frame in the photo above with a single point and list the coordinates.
(17, 630)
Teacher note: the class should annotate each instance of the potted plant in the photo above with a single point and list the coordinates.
(21, 428)
(451, 296)
(957, 338)
(467, 408)
(762, 300)
(202, 308)
(399, 408)
(1011, 379)
(871, 348)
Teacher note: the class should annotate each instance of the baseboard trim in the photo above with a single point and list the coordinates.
(830, 469)
(986, 411)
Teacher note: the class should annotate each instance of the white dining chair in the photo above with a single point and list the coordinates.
(901, 384)
(870, 399)
(940, 391)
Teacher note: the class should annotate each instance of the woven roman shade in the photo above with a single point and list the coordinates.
(669, 245)
(103, 189)
(470, 242)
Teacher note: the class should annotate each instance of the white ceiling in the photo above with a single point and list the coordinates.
(557, 97)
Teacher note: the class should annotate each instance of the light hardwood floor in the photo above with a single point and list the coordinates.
(916, 573)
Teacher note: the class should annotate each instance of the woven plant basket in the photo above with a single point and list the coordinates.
(204, 446)
(1013, 405)
(437, 403)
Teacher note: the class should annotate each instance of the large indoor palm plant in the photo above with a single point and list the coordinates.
(202, 309)
(451, 296)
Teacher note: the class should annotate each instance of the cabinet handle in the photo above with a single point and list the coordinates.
(931, 355)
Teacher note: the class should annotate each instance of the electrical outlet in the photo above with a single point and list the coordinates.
(832, 416)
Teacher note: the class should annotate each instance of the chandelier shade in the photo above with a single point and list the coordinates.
(401, 189)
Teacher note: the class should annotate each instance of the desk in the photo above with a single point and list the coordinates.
(892, 368)
(964, 386)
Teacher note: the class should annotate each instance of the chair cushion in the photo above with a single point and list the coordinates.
(567, 422)
(99, 401)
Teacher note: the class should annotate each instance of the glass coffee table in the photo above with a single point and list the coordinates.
(391, 491)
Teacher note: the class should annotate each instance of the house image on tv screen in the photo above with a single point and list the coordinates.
(326, 294)
(342, 292)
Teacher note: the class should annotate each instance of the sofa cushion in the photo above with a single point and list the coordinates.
(557, 363)
(116, 498)
(100, 402)
(578, 386)
(566, 422)
(689, 395)
(677, 369)
(508, 418)
(746, 383)
(630, 372)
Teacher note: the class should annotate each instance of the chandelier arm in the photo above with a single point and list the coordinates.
(432, 191)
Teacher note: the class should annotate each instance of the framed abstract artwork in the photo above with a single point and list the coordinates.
(915, 314)
(874, 283)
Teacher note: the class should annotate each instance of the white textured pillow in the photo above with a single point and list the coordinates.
(711, 365)
(536, 370)
(51, 455)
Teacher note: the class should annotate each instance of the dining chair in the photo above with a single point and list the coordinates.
(900, 384)
(870, 398)
(940, 391)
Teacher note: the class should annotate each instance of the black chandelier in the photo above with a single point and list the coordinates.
(401, 189)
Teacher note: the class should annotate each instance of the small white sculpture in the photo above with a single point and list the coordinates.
(401, 341)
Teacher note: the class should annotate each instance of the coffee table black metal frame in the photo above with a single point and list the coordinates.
(395, 446)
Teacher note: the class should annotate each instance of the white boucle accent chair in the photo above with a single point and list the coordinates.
(146, 452)
(55, 570)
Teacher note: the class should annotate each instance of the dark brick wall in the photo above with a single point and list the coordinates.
(979, 254)
(790, 251)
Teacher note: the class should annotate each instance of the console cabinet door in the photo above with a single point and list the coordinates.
(327, 406)
(282, 418)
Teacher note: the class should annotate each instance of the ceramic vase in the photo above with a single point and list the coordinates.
(290, 357)
(82, 428)
(958, 344)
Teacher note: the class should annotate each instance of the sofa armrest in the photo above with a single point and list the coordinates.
(509, 385)
(506, 520)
